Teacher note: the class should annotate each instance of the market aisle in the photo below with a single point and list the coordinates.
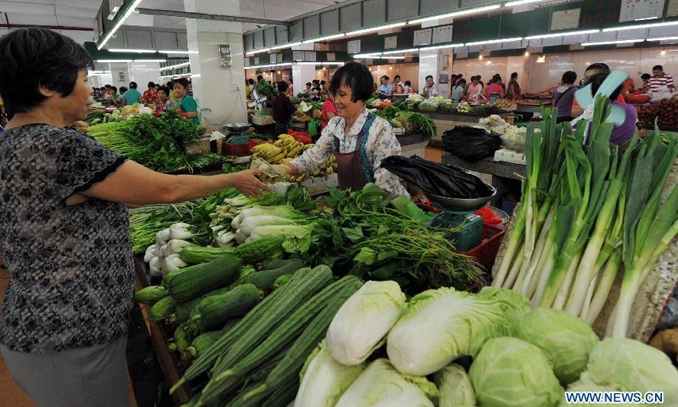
(10, 394)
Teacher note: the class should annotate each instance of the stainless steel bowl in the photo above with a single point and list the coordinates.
(462, 204)
(237, 127)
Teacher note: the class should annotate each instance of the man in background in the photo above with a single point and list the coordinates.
(660, 81)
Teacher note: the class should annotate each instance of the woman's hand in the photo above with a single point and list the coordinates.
(248, 183)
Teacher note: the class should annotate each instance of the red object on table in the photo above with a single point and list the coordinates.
(300, 136)
(239, 150)
(489, 216)
(486, 252)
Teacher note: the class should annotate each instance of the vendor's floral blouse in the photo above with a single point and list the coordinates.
(381, 143)
(71, 266)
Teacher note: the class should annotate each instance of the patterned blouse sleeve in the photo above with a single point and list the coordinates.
(385, 145)
(315, 156)
(82, 162)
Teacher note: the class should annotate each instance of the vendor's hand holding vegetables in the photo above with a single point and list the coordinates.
(64, 227)
(359, 140)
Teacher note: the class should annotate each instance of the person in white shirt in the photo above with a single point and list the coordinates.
(407, 89)
(431, 89)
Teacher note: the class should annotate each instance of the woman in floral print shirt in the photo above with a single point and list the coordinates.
(358, 139)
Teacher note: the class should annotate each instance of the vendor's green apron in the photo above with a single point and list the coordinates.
(354, 169)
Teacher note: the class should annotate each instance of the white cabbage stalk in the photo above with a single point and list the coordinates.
(162, 237)
(438, 326)
(172, 263)
(324, 380)
(380, 385)
(180, 231)
(364, 320)
(150, 253)
(225, 238)
(280, 210)
(155, 266)
(162, 251)
(248, 225)
(455, 387)
(175, 246)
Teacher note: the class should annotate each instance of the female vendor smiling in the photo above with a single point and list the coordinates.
(358, 139)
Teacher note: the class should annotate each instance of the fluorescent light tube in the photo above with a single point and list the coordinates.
(112, 61)
(469, 44)
(593, 44)
(149, 60)
(183, 65)
(321, 39)
(521, 2)
(640, 26)
(663, 39)
(120, 22)
(140, 51)
(402, 51)
(441, 47)
(565, 34)
(176, 51)
(375, 29)
(456, 14)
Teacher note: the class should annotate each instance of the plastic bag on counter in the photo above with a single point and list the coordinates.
(471, 143)
(438, 179)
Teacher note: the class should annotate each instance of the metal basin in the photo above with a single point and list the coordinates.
(462, 204)
(237, 127)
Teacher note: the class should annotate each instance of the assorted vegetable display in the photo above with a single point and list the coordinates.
(588, 209)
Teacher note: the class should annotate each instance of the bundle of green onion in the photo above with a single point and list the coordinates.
(587, 209)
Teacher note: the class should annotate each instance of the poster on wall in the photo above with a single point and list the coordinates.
(309, 56)
(298, 55)
(354, 47)
(632, 10)
(442, 35)
(423, 37)
(331, 57)
(672, 9)
(565, 19)
(391, 42)
(273, 58)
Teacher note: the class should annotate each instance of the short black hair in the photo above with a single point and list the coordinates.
(597, 80)
(182, 81)
(357, 77)
(283, 86)
(251, 81)
(316, 81)
(290, 80)
(107, 86)
(164, 89)
(461, 82)
(657, 68)
(308, 84)
(169, 84)
(34, 57)
(123, 89)
(645, 76)
(151, 84)
(397, 76)
(428, 76)
(408, 83)
(133, 85)
(386, 77)
(322, 82)
(514, 75)
(569, 77)
(259, 77)
(115, 90)
(599, 67)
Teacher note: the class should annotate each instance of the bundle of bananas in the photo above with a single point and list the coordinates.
(286, 149)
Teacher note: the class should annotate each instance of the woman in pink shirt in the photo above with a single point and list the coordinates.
(495, 87)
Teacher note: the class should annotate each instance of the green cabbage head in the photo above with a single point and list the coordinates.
(455, 387)
(565, 340)
(509, 372)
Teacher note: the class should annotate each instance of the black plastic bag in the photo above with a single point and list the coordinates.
(470, 143)
(438, 179)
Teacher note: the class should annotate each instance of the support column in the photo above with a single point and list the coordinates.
(222, 90)
(302, 73)
(120, 74)
(144, 72)
(435, 63)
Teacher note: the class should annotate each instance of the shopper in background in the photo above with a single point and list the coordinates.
(150, 96)
(624, 132)
(250, 88)
(660, 82)
(323, 88)
(563, 96)
(119, 100)
(315, 90)
(328, 112)
(495, 89)
(131, 96)
(163, 100)
(645, 89)
(513, 91)
(282, 109)
(408, 88)
(458, 93)
(309, 88)
(431, 89)
(358, 139)
(475, 89)
(290, 88)
(111, 97)
(385, 89)
(64, 228)
(186, 104)
(398, 85)
(170, 86)
(592, 70)
(629, 86)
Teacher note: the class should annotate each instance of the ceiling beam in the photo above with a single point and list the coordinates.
(205, 16)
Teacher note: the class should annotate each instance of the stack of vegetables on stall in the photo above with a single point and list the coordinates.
(589, 212)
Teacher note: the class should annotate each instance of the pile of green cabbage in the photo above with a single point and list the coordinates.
(449, 348)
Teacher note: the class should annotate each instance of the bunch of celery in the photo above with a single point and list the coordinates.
(587, 208)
